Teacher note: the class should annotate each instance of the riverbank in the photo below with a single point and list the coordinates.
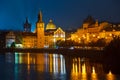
(90, 53)
(61, 50)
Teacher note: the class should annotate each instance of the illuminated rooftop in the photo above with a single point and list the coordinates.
(50, 26)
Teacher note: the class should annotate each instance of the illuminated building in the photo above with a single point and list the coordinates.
(53, 34)
(40, 32)
(47, 36)
(10, 38)
(92, 30)
(42, 37)
(29, 40)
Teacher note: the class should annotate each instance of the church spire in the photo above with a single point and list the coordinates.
(27, 26)
(26, 20)
(40, 17)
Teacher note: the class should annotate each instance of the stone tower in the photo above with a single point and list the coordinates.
(40, 31)
(27, 26)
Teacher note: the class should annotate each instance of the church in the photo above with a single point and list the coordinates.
(42, 37)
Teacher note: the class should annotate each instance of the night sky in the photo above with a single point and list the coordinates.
(64, 13)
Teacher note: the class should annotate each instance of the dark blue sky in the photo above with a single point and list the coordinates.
(64, 13)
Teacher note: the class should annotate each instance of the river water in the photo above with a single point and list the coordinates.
(49, 66)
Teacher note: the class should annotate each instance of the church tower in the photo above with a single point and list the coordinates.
(27, 26)
(40, 31)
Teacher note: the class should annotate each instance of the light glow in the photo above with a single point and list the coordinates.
(83, 69)
(110, 76)
(94, 75)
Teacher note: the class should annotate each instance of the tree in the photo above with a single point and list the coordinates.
(101, 42)
(13, 45)
(112, 55)
(67, 43)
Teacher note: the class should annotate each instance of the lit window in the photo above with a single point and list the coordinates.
(61, 35)
(83, 36)
(114, 25)
(93, 35)
(57, 35)
(119, 25)
(110, 34)
(98, 37)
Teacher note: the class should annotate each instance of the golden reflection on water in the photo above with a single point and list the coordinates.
(84, 77)
(84, 73)
(110, 76)
(84, 70)
(28, 56)
(81, 68)
(28, 63)
(52, 63)
(94, 74)
(76, 71)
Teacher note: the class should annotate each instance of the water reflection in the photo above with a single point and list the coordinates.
(82, 69)
(94, 74)
(52, 63)
(48, 66)
(84, 74)
(110, 76)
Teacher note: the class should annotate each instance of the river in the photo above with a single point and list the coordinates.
(51, 66)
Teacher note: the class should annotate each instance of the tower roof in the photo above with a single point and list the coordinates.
(40, 17)
(26, 20)
(89, 20)
(27, 24)
(50, 25)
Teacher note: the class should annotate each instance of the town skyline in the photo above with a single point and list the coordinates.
(65, 14)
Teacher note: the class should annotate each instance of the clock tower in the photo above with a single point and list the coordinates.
(40, 31)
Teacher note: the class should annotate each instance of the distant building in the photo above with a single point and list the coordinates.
(46, 37)
(92, 30)
(10, 38)
(7, 37)
(27, 26)
(42, 37)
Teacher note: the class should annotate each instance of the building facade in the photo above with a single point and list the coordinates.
(92, 30)
(42, 37)
(47, 36)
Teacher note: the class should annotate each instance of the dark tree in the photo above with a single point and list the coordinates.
(112, 55)
(67, 43)
(13, 45)
(101, 42)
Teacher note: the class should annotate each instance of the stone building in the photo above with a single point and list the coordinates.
(42, 37)
(92, 30)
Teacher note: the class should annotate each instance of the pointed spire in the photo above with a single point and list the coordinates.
(27, 26)
(96, 20)
(50, 20)
(40, 16)
(26, 20)
(96, 23)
